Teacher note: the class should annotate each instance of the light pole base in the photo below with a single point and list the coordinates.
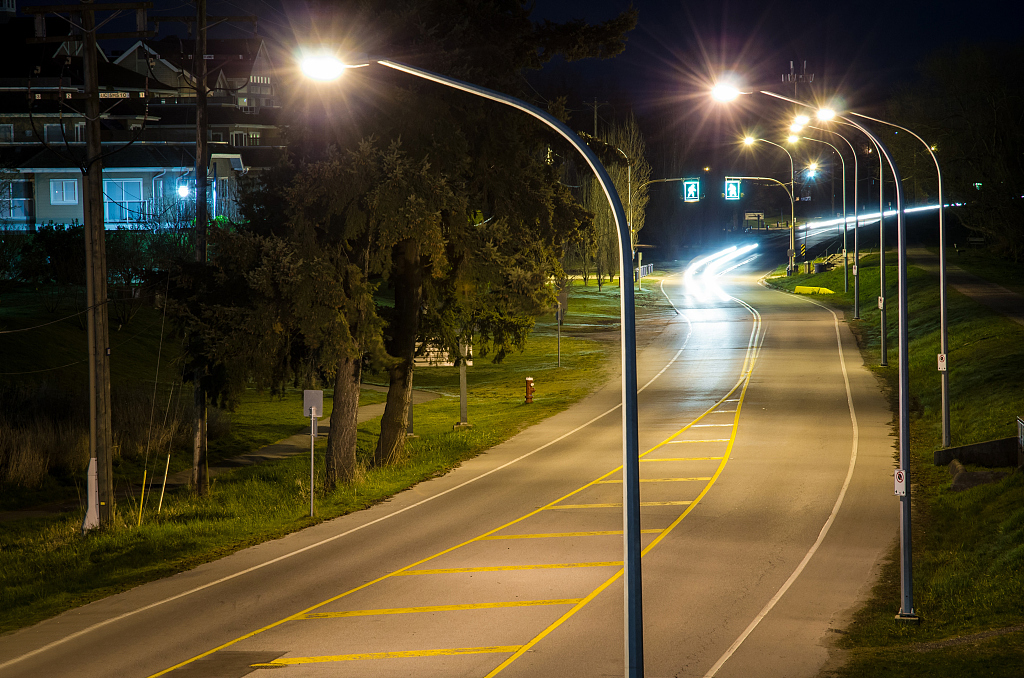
(907, 618)
(462, 426)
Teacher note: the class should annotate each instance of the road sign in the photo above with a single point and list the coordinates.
(855, 269)
(691, 190)
(942, 362)
(732, 189)
(881, 303)
(803, 249)
(901, 482)
(313, 404)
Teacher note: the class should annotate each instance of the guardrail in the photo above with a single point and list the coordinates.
(642, 272)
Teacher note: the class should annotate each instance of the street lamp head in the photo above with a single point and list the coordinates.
(182, 191)
(322, 67)
(826, 114)
(801, 120)
(796, 127)
(724, 92)
(792, 138)
(749, 141)
(813, 167)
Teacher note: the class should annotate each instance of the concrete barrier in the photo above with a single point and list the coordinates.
(991, 453)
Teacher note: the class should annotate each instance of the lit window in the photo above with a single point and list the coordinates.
(63, 191)
(122, 200)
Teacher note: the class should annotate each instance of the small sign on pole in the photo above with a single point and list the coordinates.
(881, 303)
(942, 362)
(312, 407)
(732, 189)
(901, 482)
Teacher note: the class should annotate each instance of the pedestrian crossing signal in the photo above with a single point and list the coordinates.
(732, 189)
(691, 190)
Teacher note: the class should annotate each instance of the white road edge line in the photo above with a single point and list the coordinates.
(828, 523)
(183, 594)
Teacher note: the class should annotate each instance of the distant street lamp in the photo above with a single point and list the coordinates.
(846, 279)
(943, 327)
(906, 612)
(327, 67)
(791, 266)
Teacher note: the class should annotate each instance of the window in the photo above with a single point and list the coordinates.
(63, 191)
(122, 200)
(238, 138)
(6, 132)
(53, 133)
(254, 139)
(80, 132)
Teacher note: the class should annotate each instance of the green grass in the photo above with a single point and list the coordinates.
(47, 567)
(968, 546)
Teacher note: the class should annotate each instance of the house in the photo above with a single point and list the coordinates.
(148, 126)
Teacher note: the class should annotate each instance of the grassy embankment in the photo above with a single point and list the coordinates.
(968, 547)
(46, 567)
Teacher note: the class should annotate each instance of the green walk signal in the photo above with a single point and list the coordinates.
(732, 189)
(691, 190)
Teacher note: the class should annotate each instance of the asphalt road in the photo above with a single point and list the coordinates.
(767, 503)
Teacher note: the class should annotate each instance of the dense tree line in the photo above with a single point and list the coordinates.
(443, 202)
(969, 103)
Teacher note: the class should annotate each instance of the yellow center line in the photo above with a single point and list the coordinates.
(601, 533)
(619, 505)
(507, 568)
(746, 372)
(448, 652)
(439, 608)
(711, 440)
(656, 480)
(681, 459)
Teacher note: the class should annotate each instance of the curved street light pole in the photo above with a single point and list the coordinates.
(906, 612)
(846, 279)
(633, 622)
(943, 328)
(791, 266)
(856, 221)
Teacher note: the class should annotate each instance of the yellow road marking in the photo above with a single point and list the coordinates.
(746, 369)
(507, 568)
(438, 608)
(602, 533)
(681, 459)
(712, 440)
(291, 661)
(619, 505)
(747, 362)
(656, 480)
(711, 425)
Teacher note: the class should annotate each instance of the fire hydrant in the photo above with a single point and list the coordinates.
(529, 390)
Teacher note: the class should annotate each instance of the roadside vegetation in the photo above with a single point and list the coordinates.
(968, 546)
(47, 566)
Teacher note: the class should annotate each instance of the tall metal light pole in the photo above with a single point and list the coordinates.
(943, 327)
(791, 266)
(633, 621)
(725, 92)
(906, 612)
(846, 283)
(856, 182)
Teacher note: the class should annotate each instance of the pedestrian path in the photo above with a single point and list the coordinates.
(996, 297)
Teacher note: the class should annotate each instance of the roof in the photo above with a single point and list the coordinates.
(234, 57)
(136, 155)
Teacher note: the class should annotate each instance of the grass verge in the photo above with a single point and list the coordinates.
(968, 547)
(47, 567)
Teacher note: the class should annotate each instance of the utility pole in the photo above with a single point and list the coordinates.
(595, 104)
(200, 478)
(100, 489)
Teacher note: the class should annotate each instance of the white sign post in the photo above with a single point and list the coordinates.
(312, 407)
(901, 482)
(942, 362)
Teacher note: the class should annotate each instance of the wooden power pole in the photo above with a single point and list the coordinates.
(200, 478)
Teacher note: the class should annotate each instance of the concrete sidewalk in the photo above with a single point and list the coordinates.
(996, 297)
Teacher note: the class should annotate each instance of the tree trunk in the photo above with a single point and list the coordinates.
(408, 285)
(341, 439)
